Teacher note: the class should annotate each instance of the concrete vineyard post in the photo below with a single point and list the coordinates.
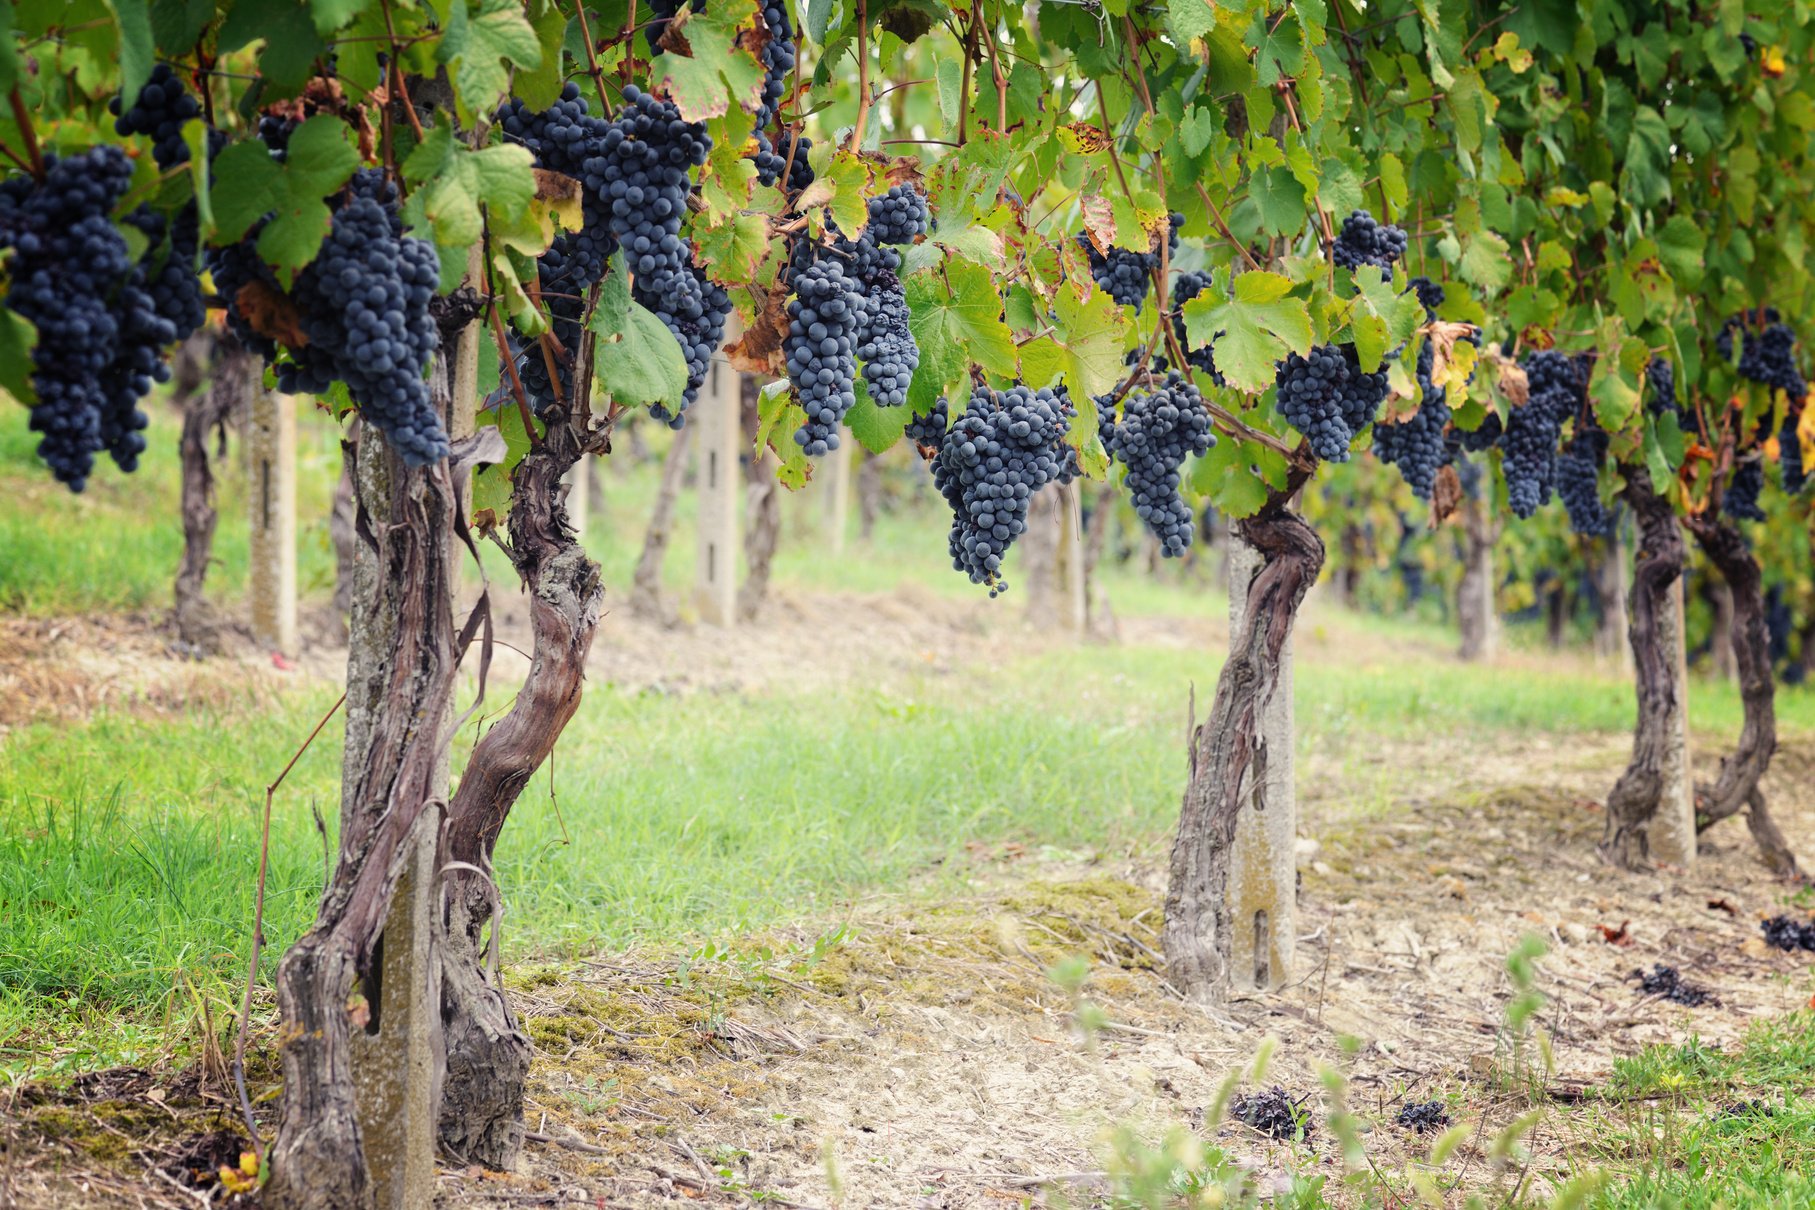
(1070, 578)
(1673, 838)
(718, 412)
(1263, 879)
(271, 490)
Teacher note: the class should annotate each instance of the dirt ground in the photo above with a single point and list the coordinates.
(944, 1054)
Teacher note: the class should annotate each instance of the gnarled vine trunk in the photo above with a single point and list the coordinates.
(1636, 809)
(1228, 758)
(481, 1113)
(1475, 594)
(396, 755)
(1737, 787)
(205, 415)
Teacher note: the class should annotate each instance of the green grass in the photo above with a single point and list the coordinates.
(115, 546)
(1689, 1127)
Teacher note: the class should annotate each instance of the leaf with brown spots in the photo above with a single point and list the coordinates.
(269, 312)
(1446, 495)
(759, 349)
(1620, 936)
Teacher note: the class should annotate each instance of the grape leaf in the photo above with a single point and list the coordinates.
(1090, 334)
(1230, 476)
(457, 184)
(540, 86)
(955, 327)
(707, 72)
(733, 252)
(876, 428)
(1278, 199)
(1252, 331)
(176, 26)
(17, 336)
(639, 360)
(477, 48)
(137, 52)
(330, 15)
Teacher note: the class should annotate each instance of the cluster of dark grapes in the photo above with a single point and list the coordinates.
(1789, 932)
(858, 280)
(1768, 353)
(771, 161)
(1789, 453)
(1430, 295)
(162, 109)
(364, 304)
(1423, 1116)
(821, 348)
(1273, 1113)
(927, 429)
(1365, 241)
(1418, 445)
(898, 216)
(779, 55)
(1125, 274)
(1484, 436)
(1187, 287)
(68, 267)
(1660, 376)
(1327, 398)
(991, 462)
(562, 138)
(661, 13)
(1577, 477)
(640, 174)
(1159, 429)
(1529, 444)
(1743, 489)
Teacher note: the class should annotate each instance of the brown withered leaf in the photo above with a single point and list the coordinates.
(1721, 905)
(271, 314)
(674, 38)
(1620, 936)
(759, 349)
(552, 186)
(1446, 495)
(1508, 377)
(1443, 335)
(1099, 221)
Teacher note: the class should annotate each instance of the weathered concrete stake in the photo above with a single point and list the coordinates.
(1263, 872)
(1069, 560)
(718, 412)
(1673, 835)
(271, 483)
(394, 1059)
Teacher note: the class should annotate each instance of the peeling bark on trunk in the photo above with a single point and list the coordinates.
(1737, 787)
(1475, 594)
(1634, 802)
(1228, 762)
(481, 1116)
(394, 763)
(646, 599)
(343, 522)
(206, 413)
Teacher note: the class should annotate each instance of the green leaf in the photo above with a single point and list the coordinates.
(138, 54)
(195, 137)
(819, 17)
(1091, 333)
(540, 86)
(949, 77)
(875, 428)
(718, 73)
(733, 252)
(247, 184)
(726, 180)
(176, 25)
(330, 15)
(1487, 261)
(1190, 19)
(1681, 243)
(17, 336)
(955, 328)
(1231, 477)
(481, 47)
(777, 411)
(638, 359)
(456, 184)
(1278, 199)
(843, 188)
(1252, 332)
